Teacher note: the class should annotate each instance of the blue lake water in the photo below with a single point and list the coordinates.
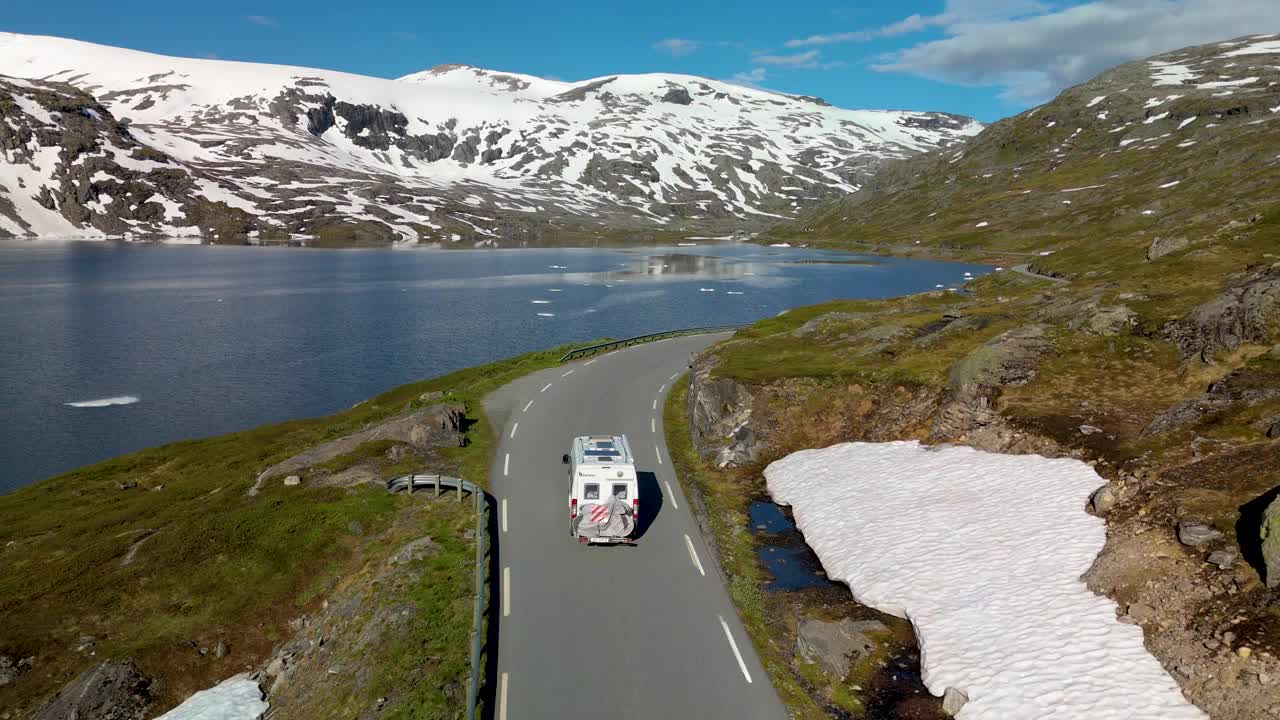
(174, 342)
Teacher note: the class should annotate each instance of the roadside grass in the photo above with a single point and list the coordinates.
(725, 509)
(159, 552)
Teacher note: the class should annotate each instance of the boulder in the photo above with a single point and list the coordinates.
(835, 646)
(115, 690)
(1195, 534)
(1222, 558)
(293, 480)
(953, 700)
(1162, 246)
(1102, 500)
(1270, 535)
(1242, 388)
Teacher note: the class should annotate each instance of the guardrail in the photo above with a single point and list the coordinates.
(651, 337)
(438, 484)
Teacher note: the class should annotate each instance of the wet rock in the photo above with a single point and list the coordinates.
(1270, 536)
(1162, 246)
(835, 646)
(413, 551)
(953, 700)
(115, 690)
(1102, 500)
(1195, 534)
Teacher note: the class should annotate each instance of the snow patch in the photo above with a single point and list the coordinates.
(983, 553)
(237, 698)
(982, 224)
(1096, 100)
(1169, 184)
(1267, 47)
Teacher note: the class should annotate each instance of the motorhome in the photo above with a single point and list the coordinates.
(604, 496)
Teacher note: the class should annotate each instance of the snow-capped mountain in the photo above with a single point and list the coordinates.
(454, 152)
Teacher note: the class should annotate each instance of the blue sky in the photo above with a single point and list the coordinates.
(985, 58)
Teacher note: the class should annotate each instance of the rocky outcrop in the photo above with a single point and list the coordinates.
(719, 417)
(1162, 246)
(1010, 358)
(1270, 537)
(440, 425)
(13, 668)
(1240, 389)
(115, 690)
(836, 646)
(1247, 312)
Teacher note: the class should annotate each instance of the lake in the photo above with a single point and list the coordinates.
(107, 348)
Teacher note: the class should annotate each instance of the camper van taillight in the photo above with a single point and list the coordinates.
(573, 508)
(635, 511)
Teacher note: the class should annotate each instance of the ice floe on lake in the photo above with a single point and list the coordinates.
(984, 553)
(104, 402)
(540, 302)
(546, 314)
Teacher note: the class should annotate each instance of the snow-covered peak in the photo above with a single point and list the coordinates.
(463, 151)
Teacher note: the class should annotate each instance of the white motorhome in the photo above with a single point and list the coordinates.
(604, 496)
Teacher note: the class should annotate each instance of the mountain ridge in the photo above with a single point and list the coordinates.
(458, 153)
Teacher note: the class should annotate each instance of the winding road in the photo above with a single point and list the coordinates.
(646, 631)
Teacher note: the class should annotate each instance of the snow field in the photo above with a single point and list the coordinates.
(983, 553)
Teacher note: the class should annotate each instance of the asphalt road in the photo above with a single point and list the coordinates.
(646, 631)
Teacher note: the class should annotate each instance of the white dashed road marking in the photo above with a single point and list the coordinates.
(662, 389)
(670, 494)
(504, 513)
(567, 374)
(506, 465)
(513, 430)
(693, 554)
(653, 425)
(506, 595)
(589, 362)
(658, 451)
(502, 699)
(655, 403)
(544, 387)
(673, 377)
(741, 665)
(527, 406)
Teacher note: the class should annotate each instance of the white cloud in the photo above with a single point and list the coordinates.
(1033, 53)
(751, 79)
(956, 12)
(677, 46)
(808, 60)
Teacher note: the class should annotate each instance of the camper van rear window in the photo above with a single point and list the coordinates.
(591, 491)
(620, 492)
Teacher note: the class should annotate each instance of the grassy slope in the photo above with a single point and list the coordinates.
(220, 564)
